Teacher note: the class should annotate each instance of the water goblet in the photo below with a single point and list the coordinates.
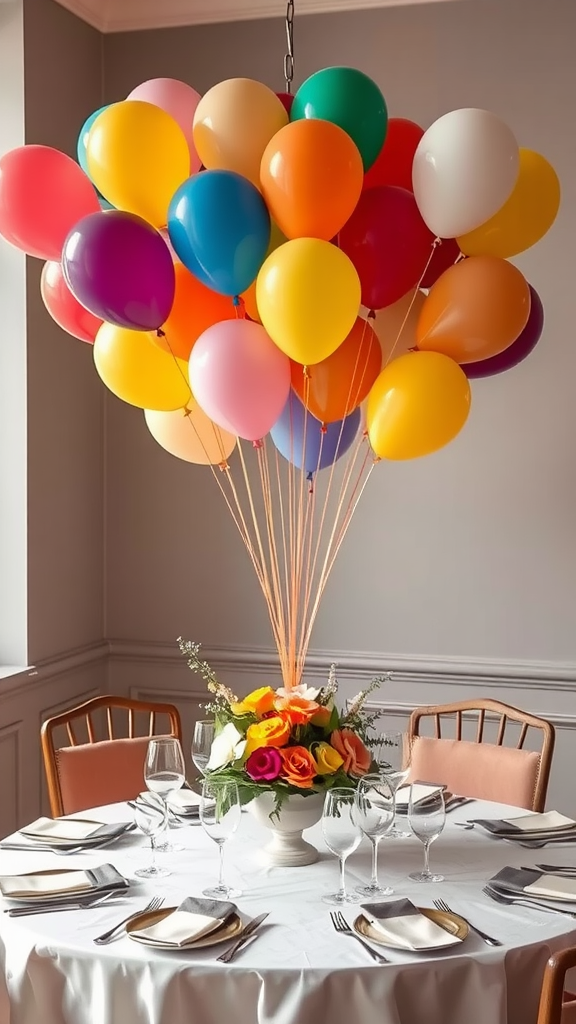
(220, 817)
(151, 817)
(342, 836)
(202, 744)
(391, 753)
(164, 771)
(375, 815)
(427, 817)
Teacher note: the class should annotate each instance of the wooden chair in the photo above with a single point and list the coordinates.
(478, 768)
(97, 766)
(557, 1006)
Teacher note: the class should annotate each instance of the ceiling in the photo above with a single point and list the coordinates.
(129, 15)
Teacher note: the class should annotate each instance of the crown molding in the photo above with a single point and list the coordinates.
(133, 15)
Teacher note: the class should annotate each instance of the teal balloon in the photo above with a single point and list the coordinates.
(350, 99)
(83, 139)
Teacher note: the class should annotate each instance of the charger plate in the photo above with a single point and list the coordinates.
(231, 930)
(451, 923)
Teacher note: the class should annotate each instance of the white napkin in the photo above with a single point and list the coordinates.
(184, 801)
(421, 791)
(402, 924)
(554, 886)
(13, 886)
(193, 919)
(62, 828)
(540, 822)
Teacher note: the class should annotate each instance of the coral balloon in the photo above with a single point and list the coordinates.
(43, 193)
(419, 403)
(120, 268)
(190, 435)
(308, 294)
(393, 165)
(396, 325)
(179, 100)
(137, 157)
(194, 310)
(475, 310)
(334, 387)
(234, 123)
(465, 167)
(388, 243)
(311, 177)
(63, 307)
(239, 377)
(302, 439)
(518, 350)
(526, 216)
(348, 98)
(138, 372)
(444, 256)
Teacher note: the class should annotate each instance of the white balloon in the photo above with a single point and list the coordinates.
(464, 169)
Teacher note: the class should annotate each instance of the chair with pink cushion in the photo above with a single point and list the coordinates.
(93, 754)
(556, 1005)
(476, 767)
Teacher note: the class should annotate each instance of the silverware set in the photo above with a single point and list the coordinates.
(244, 939)
(112, 933)
(343, 928)
(522, 901)
(53, 907)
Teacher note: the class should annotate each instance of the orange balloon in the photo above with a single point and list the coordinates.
(195, 309)
(311, 177)
(396, 325)
(334, 387)
(476, 309)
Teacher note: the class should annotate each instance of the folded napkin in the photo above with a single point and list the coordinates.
(62, 828)
(402, 924)
(184, 801)
(192, 920)
(68, 882)
(534, 883)
(529, 825)
(421, 791)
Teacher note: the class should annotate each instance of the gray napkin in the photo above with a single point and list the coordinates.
(221, 910)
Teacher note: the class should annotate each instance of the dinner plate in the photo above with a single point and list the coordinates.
(230, 930)
(451, 923)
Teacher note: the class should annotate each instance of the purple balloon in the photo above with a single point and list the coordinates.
(518, 350)
(120, 268)
(298, 433)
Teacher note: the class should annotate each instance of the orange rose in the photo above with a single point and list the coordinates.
(271, 732)
(298, 767)
(357, 759)
(296, 710)
(258, 702)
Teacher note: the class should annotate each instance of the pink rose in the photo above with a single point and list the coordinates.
(357, 759)
(264, 764)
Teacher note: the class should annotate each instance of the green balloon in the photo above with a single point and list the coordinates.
(348, 98)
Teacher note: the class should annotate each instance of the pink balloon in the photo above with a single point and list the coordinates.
(239, 377)
(177, 99)
(63, 307)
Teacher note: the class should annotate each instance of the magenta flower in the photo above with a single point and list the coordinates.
(264, 764)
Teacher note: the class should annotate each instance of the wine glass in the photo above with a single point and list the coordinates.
(427, 817)
(220, 817)
(164, 771)
(375, 815)
(342, 836)
(202, 744)
(151, 817)
(391, 755)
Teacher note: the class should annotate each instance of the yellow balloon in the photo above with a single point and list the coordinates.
(137, 157)
(396, 325)
(308, 295)
(525, 217)
(417, 405)
(249, 296)
(138, 371)
(234, 123)
(190, 434)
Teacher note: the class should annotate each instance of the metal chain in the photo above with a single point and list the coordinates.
(289, 58)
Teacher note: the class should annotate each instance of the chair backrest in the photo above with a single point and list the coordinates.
(478, 768)
(98, 760)
(556, 1006)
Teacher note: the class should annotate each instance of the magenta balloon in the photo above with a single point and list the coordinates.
(120, 268)
(239, 377)
(518, 350)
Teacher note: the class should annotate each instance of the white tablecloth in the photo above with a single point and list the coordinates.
(298, 971)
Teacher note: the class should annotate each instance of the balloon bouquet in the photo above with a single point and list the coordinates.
(300, 273)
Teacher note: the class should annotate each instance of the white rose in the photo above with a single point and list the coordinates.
(226, 747)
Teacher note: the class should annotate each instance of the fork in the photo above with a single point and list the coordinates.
(155, 904)
(342, 926)
(513, 900)
(56, 908)
(488, 939)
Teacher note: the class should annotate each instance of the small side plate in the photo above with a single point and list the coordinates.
(451, 923)
(231, 930)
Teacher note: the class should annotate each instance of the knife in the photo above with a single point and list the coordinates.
(249, 930)
(57, 908)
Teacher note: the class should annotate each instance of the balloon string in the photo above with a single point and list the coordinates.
(437, 241)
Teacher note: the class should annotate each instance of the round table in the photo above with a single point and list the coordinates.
(298, 970)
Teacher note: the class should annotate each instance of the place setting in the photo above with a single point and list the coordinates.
(50, 891)
(67, 834)
(532, 831)
(544, 887)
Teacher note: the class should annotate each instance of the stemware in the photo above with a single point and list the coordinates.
(427, 817)
(391, 755)
(202, 744)
(164, 771)
(151, 817)
(375, 815)
(342, 836)
(220, 816)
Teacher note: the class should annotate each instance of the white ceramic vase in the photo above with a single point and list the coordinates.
(287, 848)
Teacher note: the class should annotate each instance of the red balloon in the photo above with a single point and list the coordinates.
(444, 256)
(286, 99)
(63, 307)
(388, 243)
(393, 165)
(43, 193)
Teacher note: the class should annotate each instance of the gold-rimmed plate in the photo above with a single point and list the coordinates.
(456, 926)
(231, 929)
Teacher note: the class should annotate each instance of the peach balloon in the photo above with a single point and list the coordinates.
(475, 310)
(396, 325)
(195, 309)
(190, 435)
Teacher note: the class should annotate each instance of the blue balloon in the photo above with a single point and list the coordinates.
(319, 449)
(83, 139)
(220, 228)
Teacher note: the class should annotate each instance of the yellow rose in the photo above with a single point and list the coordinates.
(327, 759)
(256, 703)
(272, 732)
